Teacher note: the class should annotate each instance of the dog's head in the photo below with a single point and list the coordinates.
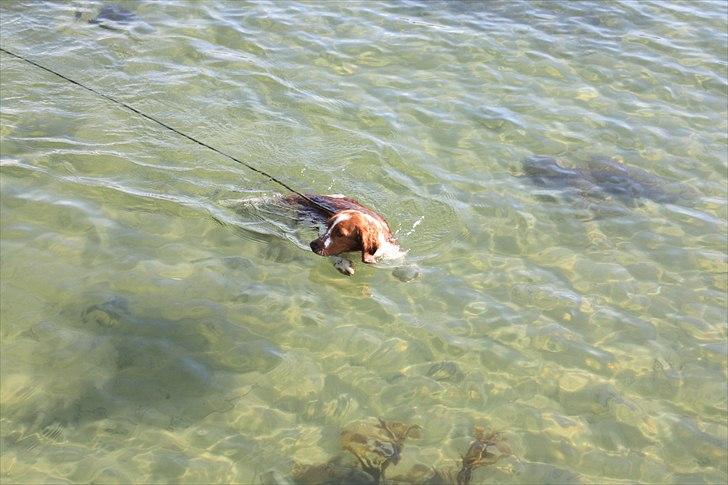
(350, 230)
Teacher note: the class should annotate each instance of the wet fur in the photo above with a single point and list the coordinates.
(348, 226)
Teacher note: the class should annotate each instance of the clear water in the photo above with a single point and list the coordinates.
(151, 334)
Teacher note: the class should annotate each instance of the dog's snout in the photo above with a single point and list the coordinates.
(316, 246)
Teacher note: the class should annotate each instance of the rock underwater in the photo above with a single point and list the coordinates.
(603, 178)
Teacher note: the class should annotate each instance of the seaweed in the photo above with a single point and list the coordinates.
(335, 471)
(377, 449)
(486, 449)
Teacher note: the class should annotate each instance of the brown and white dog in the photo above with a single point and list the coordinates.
(347, 226)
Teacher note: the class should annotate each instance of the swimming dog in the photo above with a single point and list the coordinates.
(347, 226)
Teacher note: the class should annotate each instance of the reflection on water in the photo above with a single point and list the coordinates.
(565, 326)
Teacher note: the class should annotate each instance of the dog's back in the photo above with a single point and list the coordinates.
(332, 203)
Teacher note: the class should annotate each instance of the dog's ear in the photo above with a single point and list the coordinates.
(369, 243)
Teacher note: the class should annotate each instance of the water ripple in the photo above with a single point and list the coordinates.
(141, 316)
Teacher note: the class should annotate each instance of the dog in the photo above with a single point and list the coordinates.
(346, 226)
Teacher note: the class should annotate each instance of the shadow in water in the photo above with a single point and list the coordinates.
(126, 368)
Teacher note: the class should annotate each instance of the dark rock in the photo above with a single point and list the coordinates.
(603, 178)
(627, 183)
(113, 17)
(406, 273)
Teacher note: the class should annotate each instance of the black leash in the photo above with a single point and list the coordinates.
(131, 108)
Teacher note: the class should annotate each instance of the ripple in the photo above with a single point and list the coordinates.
(142, 315)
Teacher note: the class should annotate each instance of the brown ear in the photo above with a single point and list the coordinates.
(369, 244)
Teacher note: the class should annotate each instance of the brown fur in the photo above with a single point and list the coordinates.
(356, 233)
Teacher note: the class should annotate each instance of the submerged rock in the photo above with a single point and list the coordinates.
(628, 183)
(447, 371)
(546, 172)
(337, 470)
(107, 314)
(603, 178)
(113, 16)
(406, 273)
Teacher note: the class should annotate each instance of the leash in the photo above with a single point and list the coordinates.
(165, 125)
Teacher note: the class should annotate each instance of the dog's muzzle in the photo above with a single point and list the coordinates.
(317, 246)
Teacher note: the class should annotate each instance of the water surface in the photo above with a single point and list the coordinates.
(151, 334)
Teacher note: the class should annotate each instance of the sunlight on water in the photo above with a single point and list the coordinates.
(567, 318)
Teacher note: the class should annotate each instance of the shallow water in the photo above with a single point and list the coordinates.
(152, 334)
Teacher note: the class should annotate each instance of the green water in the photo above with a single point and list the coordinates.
(151, 334)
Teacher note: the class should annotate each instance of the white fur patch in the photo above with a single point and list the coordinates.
(389, 251)
(343, 216)
(385, 249)
(339, 218)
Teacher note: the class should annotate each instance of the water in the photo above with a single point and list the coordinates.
(151, 334)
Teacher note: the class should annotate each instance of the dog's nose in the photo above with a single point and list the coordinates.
(315, 246)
